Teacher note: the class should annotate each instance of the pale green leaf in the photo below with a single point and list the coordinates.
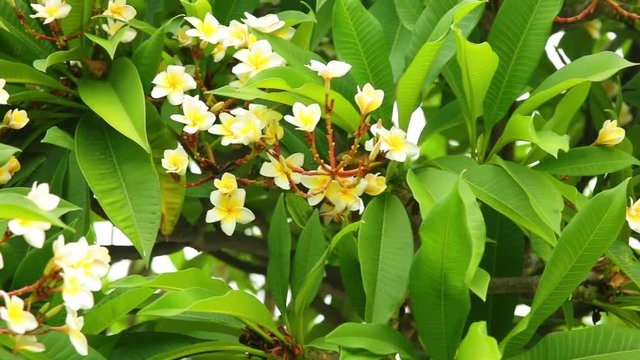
(279, 240)
(521, 127)
(478, 344)
(588, 161)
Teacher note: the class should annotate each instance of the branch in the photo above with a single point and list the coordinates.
(514, 285)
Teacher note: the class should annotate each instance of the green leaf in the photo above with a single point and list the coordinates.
(110, 45)
(412, 81)
(395, 33)
(409, 11)
(161, 138)
(518, 35)
(385, 242)
(112, 308)
(309, 250)
(6, 152)
(438, 292)
(78, 19)
(59, 348)
(279, 240)
(58, 57)
(366, 50)
(226, 11)
(624, 256)
(476, 75)
(587, 236)
(16, 206)
(179, 280)
(58, 137)
(545, 198)
(497, 188)
(588, 161)
(598, 342)
(376, 339)
(148, 55)
(478, 344)
(14, 72)
(119, 100)
(521, 127)
(196, 8)
(173, 303)
(123, 179)
(292, 18)
(590, 68)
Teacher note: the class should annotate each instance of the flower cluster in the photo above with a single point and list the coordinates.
(228, 202)
(75, 270)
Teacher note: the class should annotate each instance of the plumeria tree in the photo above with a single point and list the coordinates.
(329, 179)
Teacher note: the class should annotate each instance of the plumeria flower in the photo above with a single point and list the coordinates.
(610, 134)
(16, 119)
(18, 320)
(332, 69)
(259, 56)
(229, 210)
(285, 33)
(239, 36)
(317, 185)
(305, 118)
(266, 24)
(224, 129)
(261, 112)
(4, 95)
(89, 263)
(242, 79)
(227, 184)
(219, 51)
(175, 161)
(32, 231)
(633, 216)
(393, 142)
(208, 30)
(27, 343)
(73, 328)
(273, 132)
(345, 194)
(625, 115)
(75, 294)
(368, 98)
(8, 170)
(40, 196)
(280, 170)
(51, 10)
(376, 184)
(172, 83)
(1, 262)
(120, 10)
(184, 40)
(246, 129)
(113, 26)
(196, 115)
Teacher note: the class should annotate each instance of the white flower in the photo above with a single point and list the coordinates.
(224, 129)
(633, 216)
(345, 194)
(73, 328)
(87, 263)
(219, 51)
(610, 134)
(172, 83)
(368, 98)
(113, 26)
(51, 10)
(120, 10)
(226, 184)
(1, 262)
(208, 30)
(32, 231)
(18, 320)
(16, 119)
(261, 112)
(317, 185)
(4, 95)
(229, 210)
(184, 40)
(266, 24)
(75, 294)
(176, 161)
(8, 170)
(332, 69)
(280, 170)
(305, 118)
(393, 142)
(285, 33)
(257, 57)
(40, 196)
(238, 35)
(376, 184)
(27, 343)
(196, 115)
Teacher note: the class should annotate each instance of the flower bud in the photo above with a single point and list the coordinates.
(369, 99)
(610, 134)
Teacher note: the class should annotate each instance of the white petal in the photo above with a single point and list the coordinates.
(228, 225)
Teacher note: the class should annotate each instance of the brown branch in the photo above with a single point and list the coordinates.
(514, 285)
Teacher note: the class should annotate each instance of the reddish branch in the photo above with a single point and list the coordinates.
(591, 8)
